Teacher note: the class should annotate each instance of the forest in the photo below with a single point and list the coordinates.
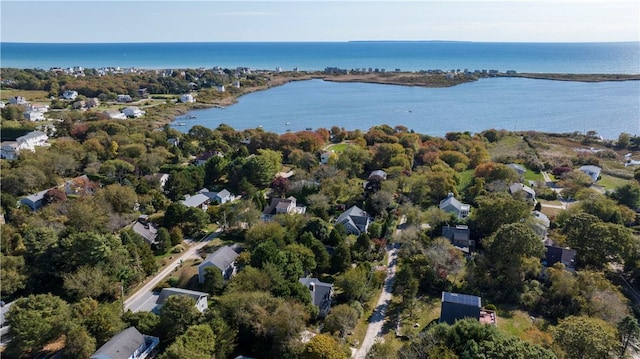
(68, 266)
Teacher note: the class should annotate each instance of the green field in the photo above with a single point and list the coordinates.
(338, 147)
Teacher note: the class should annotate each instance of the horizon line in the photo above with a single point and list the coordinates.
(312, 41)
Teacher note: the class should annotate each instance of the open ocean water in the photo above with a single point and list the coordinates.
(608, 108)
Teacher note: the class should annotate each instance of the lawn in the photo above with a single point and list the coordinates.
(533, 176)
(465, 177)
(508, 146)
(610, 182)
(338, 147)
(28, 95)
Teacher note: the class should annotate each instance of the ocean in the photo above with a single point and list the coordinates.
(620, 57)
(608, 108)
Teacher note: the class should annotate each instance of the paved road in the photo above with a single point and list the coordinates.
(140, 298)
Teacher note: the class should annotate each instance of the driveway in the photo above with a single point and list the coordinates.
(140, 299)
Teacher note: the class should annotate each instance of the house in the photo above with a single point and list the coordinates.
(282, 206)
(220, 88)
(32, 140)
(452, 205)
(199, 297)
(187, 98)
(173, 141)
(37, 107)
(70, 95)
(92, 102)
(197, 200)
(143, 92)
(221, 197)
(459, 236)
(326, 156)
(124, 98)
(2, 104)
(591, 171)
(236, 84)
(355, 220)
(380, 173)
(80, 186)
(553, 255)
(224, 259)
(202, 158)
(161, 178)
(146, 230)
(133, 111)
(540, 224)
(18, 100)
(115, 115)
(34, 201)
(321, 294)
(33, 116)
(529, 193)
(9, 150)
(518, 168)
(455, 306)
(128, 344)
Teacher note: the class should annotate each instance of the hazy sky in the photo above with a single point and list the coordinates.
(197, 21)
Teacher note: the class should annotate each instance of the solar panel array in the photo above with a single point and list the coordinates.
(465, 299)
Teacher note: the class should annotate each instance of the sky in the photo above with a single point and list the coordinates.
(235, 21)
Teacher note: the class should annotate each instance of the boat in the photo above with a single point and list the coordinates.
(180, 124)
(192, 116)
(309, 129)
(288, 123)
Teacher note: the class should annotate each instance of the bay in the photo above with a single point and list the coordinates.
(514, 104)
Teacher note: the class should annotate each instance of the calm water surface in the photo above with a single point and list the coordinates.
(609, 108)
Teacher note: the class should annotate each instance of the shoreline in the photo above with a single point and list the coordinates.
(402, 79)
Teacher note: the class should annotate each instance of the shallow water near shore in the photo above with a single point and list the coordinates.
(513, 104)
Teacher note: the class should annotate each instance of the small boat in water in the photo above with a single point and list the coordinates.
(180, 124)
(192, 116)
(288, 123)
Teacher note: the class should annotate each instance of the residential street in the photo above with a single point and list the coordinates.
(138, 299)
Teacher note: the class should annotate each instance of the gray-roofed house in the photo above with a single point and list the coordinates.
(199, 297)
(540, 223)
(591, 171)
(128, 344)
(34, 201)
(321, 294)
(529, 193)
(282, 206)
(555, 254)
(459, 236)
(221, 197)
(518, 168)
(355, 220)
(146, 230)
(457, 306)
(380, 173)
(452, 205)
(224, 259)
(198, 200)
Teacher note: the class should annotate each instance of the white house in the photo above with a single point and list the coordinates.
(282, 206)
(199, 297)
(133, 111)
(32, 140)
(33, 116)
(220, 88)
(187, 98)
(70, 95)
(115, 115)
(197, 200)
(9, 150)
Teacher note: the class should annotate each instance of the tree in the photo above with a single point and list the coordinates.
(177, 314)
(213, 280)
(628, 195)
(280, 186)
(12, 274)
(34, 321)
(78, 344)
(164, 241)
(585, 338)
(342, 319)
(214, 169)
(173, 215)
(89, 282)
(341, 259)
(323, 346)
(198, 342)
(121, 198)
(102, 320)
(629, 330)
(194, 220)
(353, 284)
(497, 209)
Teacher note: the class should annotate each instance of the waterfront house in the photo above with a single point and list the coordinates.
(187, 98)
(224, 258)
(452, 205)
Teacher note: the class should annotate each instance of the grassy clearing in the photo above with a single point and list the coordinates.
(339, 147)
(28, 95)
(533, 176)
(508, 146)
(465, 177)
(610, 182)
